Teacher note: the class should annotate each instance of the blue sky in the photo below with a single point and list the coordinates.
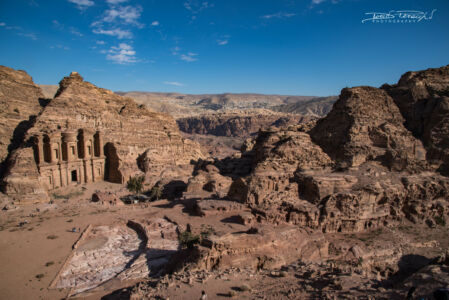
(309, 47)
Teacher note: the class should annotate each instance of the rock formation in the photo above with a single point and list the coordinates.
(365, 124)
(423, 99)
(355, 169)
(19, 105)
(184, 105)
(87, 134)
(240, 124)
(318, 107)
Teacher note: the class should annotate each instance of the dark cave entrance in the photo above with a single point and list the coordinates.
(74, 176)
(112, 173)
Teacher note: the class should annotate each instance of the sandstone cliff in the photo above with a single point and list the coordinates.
(357, 168)
(132, 137)
(365, 124)
(19, 104)
(423, 99)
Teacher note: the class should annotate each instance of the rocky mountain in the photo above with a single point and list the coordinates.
(238, 124)
(19, 105)
(423, 99)
(184, 105)
(73, 128)
(373, 160)
(319, 106)
(49, 90)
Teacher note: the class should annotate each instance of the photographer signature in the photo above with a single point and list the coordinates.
(399, 15)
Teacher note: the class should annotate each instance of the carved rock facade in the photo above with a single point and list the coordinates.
(87, 134)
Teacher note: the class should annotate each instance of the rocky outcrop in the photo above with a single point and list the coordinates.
(365, 124)
(259, 251)
(318, 107)
(357, 168)
(423, 99)
(121, 252)
(241, 124)
(128, 131)
(19, 105)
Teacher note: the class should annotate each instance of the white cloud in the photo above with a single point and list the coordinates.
(113, 2)
(222, 42)
(127, 14)
(60, 47)
(189, 57)
(82, 4)
(57, 24)
(28, 35)
(279, 15)
(123, 54)
(196, 6)
(2, 24)
(75, 31)
(100, 42)
(155, 23)
(119, 33)
(175, 83)
(317, 1)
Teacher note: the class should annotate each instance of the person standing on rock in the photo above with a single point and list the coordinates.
(203, 295)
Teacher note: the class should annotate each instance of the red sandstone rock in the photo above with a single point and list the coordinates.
(87, 134)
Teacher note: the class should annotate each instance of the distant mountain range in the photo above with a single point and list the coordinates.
(185, 105)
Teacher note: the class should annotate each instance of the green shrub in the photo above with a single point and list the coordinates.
(283, 274)
(155, 193)
(188, 240)
(207, 231)
(135, 184)
(245, 288)
(439, 220)
(232, 294)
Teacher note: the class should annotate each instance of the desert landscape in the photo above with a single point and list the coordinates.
(353, 204)
(273, 168)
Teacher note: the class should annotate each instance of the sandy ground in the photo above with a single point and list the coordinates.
(32, 254)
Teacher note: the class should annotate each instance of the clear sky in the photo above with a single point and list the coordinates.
(309, 47)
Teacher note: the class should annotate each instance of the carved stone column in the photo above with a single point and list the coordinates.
(39, 144)
(69, 138)
(55, 147)
(99, 143)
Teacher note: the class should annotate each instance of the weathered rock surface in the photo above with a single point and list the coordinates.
(107, 198)
(365, 124)
(357, 168)
(423, 99)
(241, 124)
(208, 182)
(261, 250)
(123, 252)
(318, 107)
(129, 131)
(19, 105)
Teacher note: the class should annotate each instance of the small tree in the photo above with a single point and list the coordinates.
(135, 184)
(156, 192)
(188, 240)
